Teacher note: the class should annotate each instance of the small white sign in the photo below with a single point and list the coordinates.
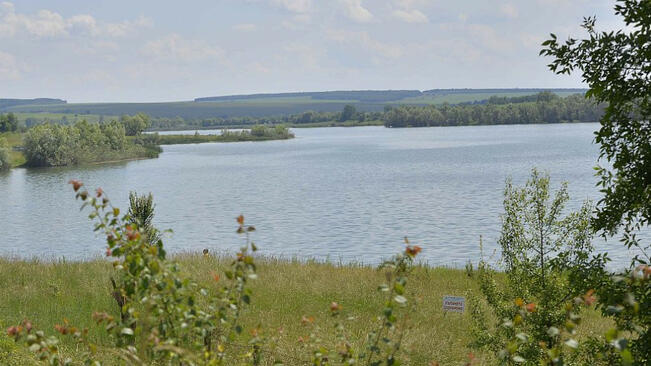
(454, 303)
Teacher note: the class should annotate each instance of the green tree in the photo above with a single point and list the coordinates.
(542, 250)
(616, 65)
(617, 68)
(8, 122)
(135, 125)
(348, 113)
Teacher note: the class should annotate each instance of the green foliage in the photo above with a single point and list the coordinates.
(8, 122)
(617, 68)
(544, 108)
(525, 348)
(141, 214)
(5, 162)
(542, 253)
(83, 142)
(545, 96)
(257, 133)
(135, 125)
(348, 113)
(627, 297)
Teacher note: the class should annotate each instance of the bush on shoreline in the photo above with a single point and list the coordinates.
(5, 162)
(58, 145)
(257, 133)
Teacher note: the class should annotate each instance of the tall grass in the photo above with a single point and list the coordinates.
(48, 292)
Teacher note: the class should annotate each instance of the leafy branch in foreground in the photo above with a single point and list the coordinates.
(616, 65)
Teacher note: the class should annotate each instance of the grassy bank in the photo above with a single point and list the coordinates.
(332, 123)
(13, 140)
(257, 133)
(48, 293)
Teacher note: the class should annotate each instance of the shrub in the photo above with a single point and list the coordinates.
(57, 145)
(542, 254)
(141, 214)
(5, 163)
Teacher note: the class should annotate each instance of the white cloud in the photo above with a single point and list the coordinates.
(9, 69)
(244, 27)
(176, 48)
(126, 27)
(364, 40)
(509, 11)
(411, 16)
(355, 11)
(49, 24)
(296, 6)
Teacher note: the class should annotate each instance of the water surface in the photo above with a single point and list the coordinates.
(348, 194)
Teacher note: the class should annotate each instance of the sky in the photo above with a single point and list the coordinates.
(154, 50)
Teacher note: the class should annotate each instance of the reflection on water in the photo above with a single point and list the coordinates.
(331, 193)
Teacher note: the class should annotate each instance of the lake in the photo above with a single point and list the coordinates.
(338, 194)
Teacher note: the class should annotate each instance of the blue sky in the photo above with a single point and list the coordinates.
(146, 50)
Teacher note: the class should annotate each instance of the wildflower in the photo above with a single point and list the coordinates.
(12, 331)
(240, 220)
(519, 302)
(61, 329)
(108, 252)
(412, 251)
(28, 325)
(99, 192)
(334, 307)
(75, 184)
(132, 234)
(531, 307)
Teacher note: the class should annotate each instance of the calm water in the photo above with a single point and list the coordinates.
(331, 193)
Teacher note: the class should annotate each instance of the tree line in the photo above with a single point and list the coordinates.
(540, 108)
(544, 107)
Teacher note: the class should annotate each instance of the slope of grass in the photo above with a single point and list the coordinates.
(256, 105)
(456, 98)
(68, 118)
(14, 139)
(285, 291)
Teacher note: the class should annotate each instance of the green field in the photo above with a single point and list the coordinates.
(286, 290)
(68, 118)
(457, 98)
(262, 105)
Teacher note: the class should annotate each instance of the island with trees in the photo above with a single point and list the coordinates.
(51, 144)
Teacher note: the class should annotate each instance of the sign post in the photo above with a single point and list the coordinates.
(456, 304)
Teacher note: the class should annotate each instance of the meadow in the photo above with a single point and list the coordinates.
(286, 293)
